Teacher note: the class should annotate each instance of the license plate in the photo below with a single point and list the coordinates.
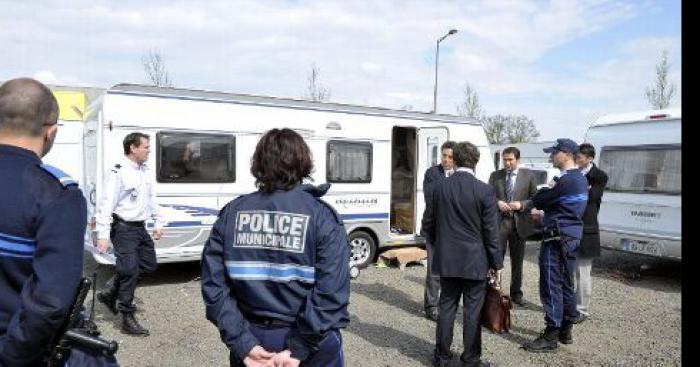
(642, 247)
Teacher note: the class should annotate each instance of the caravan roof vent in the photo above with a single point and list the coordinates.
(333, 125)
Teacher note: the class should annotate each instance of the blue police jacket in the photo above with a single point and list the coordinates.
(281, 255)
(42, 225)
(564, 203)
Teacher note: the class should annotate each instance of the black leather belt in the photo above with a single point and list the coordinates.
(118, 219)
(266, 321)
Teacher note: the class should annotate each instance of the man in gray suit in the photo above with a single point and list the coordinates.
(515, 188)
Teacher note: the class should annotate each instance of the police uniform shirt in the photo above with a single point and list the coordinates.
(564, 203)
(43, 219)
(129, 193)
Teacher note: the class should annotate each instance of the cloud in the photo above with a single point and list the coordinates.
(378, 53)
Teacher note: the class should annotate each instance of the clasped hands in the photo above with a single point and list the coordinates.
(513, 206)
(259, 357)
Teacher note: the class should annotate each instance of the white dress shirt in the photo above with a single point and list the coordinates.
(128, 192)
(465, 169)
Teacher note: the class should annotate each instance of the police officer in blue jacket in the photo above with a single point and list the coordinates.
(42, 224)
(563, 204)
(275, 269)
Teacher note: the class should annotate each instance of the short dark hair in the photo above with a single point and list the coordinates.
(466, 154)
(281, 160)
(133, 139)
(26, 106)
(449, 144)
(587, 149)
(511, 150)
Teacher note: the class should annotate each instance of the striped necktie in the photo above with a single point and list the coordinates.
(509, 186)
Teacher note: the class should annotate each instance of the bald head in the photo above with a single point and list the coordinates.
(26, 106)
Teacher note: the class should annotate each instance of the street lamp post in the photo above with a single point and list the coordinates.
(437, 55)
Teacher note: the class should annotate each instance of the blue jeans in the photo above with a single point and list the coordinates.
(556, 285)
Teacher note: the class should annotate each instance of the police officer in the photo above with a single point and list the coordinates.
(563, 205)
(127, 201)
(275, 269)
(42, 224)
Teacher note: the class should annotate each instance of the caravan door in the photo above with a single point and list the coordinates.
(430, 139)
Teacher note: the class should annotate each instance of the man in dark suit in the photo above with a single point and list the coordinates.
(461, 221)
(432, 176)
(515, 188)
(590, 241)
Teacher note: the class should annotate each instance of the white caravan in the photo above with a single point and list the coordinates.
(641, 208)
(202, 143)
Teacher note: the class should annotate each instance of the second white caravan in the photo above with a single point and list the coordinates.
(202, 143)
(641, 207)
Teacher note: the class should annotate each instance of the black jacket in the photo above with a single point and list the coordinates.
(462, 221)
(590, 242)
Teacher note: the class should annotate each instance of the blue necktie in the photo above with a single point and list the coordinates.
(509, 187)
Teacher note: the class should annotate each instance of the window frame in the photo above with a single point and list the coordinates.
(159, 150)
(349, 142)
(637, 148)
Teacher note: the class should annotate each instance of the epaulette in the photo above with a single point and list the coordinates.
(116, 167)
(61, 176)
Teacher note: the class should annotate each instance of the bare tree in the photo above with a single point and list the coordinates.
(659, 95)
(521, 129)
(495, 127)
(314, 90)
(154, 66)
(470, 106)
(509, 129)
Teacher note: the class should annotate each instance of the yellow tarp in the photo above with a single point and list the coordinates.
(72, 105)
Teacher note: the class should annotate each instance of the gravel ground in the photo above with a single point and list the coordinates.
(636, 319)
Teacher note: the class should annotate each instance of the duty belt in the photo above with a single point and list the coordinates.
(267, 321)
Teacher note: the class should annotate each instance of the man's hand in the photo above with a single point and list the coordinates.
(515, 205)
(536, 215)
(503, 207)
(102, 245)
(283, 359)
(258, 357)
(495, 275)
(157, 234)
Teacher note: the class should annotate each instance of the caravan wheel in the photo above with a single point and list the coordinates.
(362, 249)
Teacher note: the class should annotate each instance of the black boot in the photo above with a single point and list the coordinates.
(565, 336)
(109, 298)
(131, 326)
(546, 342)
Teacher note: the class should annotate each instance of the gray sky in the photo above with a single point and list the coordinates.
(561, 63)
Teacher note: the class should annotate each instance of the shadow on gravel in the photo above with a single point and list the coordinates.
(631, 269)
(390, 296)
(410, 346)
(517, 335)
(639, 271)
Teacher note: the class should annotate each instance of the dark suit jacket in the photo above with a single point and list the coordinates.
(590, 242)
(525, 189)
(432, 176)
(461, 221)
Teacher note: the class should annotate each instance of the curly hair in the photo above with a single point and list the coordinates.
(281, 160)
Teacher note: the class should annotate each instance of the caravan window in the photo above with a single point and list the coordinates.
(650, 168)
(348, 161)
(195, 158)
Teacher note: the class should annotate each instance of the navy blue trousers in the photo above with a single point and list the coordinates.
(556, 291)
(136, 256)
(273, 339)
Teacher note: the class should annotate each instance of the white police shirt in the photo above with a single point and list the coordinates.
(129, 193)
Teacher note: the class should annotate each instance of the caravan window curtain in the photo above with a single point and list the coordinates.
(195, 158)
(650, 169)
(349, 162)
